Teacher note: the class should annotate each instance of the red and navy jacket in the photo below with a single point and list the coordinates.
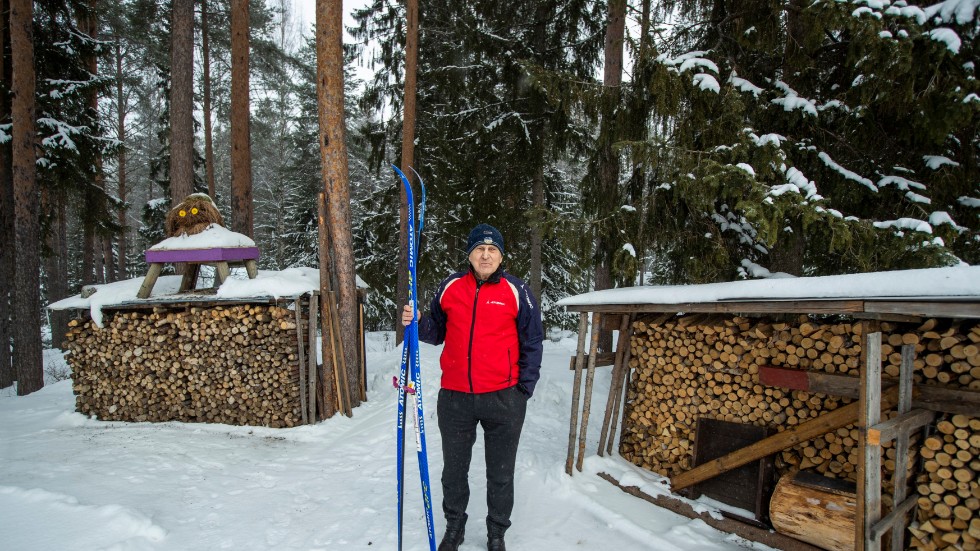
(492, 333)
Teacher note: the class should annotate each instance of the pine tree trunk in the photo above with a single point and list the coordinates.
(55, 264)
(206, 83)
(241, 149)
(537, 228)
(333, 151)
(26, 292)
(6, 205)
(181, 101)
(608, 159)
(121, 161)
(408, 149)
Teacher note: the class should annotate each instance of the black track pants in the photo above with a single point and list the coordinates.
(501, 414)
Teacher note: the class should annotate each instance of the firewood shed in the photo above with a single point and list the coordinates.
(867, 380)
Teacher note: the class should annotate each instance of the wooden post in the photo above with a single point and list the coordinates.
(297, 305)
(622, 343)
(583, 319)
(311, 379)
(589, 377)
(900, 476)
(620, 382)
(869, 453)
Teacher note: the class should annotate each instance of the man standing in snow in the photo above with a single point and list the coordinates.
(491, 326)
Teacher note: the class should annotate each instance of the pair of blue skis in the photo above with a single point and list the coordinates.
(409, 380)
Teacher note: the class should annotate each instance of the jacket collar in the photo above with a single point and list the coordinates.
(494, 277)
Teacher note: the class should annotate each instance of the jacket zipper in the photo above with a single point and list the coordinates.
(469, 349)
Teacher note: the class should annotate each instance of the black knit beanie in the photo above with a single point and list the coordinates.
(484, 234)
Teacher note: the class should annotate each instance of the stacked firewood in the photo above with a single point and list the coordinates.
(237, 365)
(949, 495)
(687, 367)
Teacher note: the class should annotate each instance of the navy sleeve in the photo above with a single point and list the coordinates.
(530, 333)
(432, 326)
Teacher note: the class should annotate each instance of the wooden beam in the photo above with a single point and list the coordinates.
(869, 456)
(731, 307)
(957, 307)
(889, 430)
(780, 441)
(931, 397)
(602, 359)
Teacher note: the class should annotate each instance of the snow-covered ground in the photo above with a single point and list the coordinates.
(69, 482)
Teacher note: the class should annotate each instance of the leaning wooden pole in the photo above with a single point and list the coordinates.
(622, 343)
(326, 344)
(583, 320)
(589, 377)
(620, 382)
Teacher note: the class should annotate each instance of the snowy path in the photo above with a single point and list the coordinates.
(70, 482)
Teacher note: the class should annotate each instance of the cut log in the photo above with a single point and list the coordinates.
(819, 515)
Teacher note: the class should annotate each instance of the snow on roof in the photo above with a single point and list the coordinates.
(933, 283)
(268, 283)
(213, 237)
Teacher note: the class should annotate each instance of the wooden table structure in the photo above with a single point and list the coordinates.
(222, 258)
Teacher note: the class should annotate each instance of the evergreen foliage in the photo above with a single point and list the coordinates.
(837, 138)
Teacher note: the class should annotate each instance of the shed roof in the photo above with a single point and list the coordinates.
(944, 292)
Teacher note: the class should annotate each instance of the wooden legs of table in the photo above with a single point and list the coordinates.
(151, 278)
(191, 270)
(222, 271)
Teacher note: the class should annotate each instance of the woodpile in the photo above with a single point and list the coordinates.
(949, 494)
(708, 365)
(235, 364)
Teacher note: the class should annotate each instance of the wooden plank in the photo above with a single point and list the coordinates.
(963, 307)
(900, 475)
(931, 397)
(969, 308)
(725, 524)
(780, 441)
(730, 307)
(894, 520)
(603, 359)
(869, 456)
(213, 254)
(583, 321)
(587, 400)
(796, 379)
(889, 430)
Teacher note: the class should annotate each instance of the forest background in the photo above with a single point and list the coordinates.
(613, 142)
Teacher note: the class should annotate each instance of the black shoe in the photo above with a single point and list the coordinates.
(496, 543)
(451, 540)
